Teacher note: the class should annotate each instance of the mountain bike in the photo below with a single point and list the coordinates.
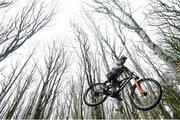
(145, 93)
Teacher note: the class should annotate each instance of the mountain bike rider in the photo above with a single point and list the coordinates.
(114, 74)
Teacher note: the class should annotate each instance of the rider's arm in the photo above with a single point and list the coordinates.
(125, 68)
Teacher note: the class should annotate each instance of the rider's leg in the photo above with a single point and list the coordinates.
(112, 77)
(113, 85)
(114, 90)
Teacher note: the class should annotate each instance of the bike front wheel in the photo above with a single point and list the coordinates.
(151, 96)
(95, 94)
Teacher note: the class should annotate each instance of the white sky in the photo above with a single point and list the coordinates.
(71, 9)
(60, 29)
(59, 26)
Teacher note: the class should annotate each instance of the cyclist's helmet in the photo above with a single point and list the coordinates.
(123, 57)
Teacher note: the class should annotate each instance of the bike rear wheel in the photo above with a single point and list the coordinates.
(151, 97)
(95, 94)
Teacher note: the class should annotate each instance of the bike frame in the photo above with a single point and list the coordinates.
(128, 79)
(138, 86)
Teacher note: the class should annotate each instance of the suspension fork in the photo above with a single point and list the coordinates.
(140, 89)
(138, 85)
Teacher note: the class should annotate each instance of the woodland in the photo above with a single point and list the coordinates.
(52, 87)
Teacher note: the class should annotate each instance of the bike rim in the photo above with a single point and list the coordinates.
(153, 91)
(96, 94)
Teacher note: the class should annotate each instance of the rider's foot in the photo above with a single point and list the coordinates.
(116, 95)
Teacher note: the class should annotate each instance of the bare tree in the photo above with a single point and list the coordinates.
(88, 61)
(116, 10)
(12, 91)
(57, 64)
(4, 4)
(28, 109)
(12, 80)
(21, 90)
(165, 15)
(15, 32)
(75, 95)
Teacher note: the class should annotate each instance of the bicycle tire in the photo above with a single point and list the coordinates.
(153, 89)
(91, 101)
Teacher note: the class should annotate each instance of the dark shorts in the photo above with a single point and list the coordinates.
(114, 81)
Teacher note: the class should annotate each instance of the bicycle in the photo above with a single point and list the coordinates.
(145, 93)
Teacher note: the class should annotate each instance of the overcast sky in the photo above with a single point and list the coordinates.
(71, 10)
(60, 25)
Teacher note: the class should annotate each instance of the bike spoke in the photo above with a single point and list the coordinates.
(151, 97)
(95, 94)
